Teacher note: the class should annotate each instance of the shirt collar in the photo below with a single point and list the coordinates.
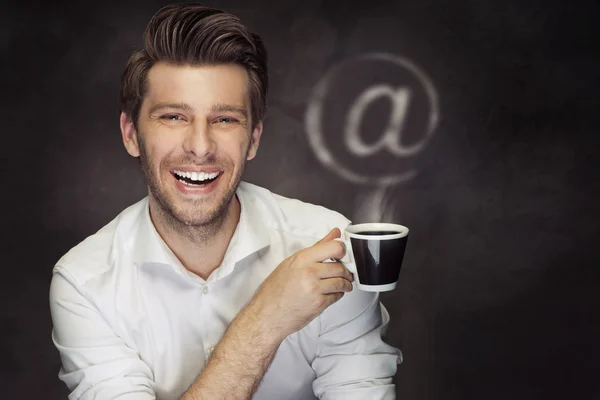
(253, 226)
(251, 235)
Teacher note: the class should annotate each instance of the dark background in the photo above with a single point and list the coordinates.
(497, 297)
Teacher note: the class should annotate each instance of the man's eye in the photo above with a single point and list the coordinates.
(172, 117)
(225, 120)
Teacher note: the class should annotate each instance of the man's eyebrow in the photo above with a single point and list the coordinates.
(222, 107)
(177, 106)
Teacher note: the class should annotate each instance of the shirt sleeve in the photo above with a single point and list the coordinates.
(352, 360)
(96, 363)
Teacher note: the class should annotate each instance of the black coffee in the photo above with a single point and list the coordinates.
(378, 261)
(376, 233)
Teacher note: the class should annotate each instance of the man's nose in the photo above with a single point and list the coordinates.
(199, 141)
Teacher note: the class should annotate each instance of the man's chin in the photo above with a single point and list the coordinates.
(196, 219)
(188, 211)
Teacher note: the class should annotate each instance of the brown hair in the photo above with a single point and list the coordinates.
(191, 34)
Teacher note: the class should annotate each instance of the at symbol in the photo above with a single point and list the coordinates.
(391, 139)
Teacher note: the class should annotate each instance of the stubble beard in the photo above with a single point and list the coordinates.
(196, 230)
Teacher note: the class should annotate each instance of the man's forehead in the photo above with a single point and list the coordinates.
(200, 86)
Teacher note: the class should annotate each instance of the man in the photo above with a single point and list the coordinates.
(211, 288)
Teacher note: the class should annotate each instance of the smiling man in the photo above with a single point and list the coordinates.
(211, 288)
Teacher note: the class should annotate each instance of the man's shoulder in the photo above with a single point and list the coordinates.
(294, 216)
(96, 254)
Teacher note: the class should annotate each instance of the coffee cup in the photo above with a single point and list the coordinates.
(374, 254)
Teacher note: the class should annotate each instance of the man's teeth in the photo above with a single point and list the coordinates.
(196, 176)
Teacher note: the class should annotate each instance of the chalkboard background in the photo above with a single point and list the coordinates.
(495, 164)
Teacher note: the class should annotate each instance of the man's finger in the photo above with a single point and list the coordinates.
(333, 270)
(335, 285)
(324, 251)
(334, 233)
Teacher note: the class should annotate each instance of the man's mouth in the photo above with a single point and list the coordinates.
(195, 178)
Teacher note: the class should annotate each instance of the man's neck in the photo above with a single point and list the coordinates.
(200, 249)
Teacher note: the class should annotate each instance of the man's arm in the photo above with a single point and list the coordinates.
(99, 364)
(352, 360)
(296, 292)
(240, 360)
(96, 363)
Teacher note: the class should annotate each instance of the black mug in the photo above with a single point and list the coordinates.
(374, 254)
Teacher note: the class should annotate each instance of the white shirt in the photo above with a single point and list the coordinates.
(130, 322)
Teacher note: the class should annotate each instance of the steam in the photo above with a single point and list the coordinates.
(376, 206)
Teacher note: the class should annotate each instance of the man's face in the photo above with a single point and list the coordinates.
(193, 138)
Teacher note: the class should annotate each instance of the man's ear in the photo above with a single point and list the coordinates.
(255, 141)
(129, 134)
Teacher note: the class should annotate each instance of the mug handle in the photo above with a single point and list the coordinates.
(348, 260)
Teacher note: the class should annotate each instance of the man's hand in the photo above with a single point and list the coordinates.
(301, 287)
(298, 290)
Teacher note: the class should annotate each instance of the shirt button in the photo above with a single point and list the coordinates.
(205, 290)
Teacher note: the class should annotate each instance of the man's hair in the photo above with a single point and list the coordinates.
(191, 34)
